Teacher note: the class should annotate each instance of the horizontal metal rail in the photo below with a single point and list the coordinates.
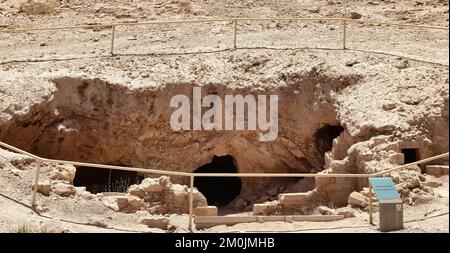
(189, 174)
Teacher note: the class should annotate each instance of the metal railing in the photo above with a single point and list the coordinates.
(193, 175)
(233, 21)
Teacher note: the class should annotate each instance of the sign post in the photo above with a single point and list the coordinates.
(391, 206)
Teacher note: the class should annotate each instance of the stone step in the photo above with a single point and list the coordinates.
(437, 170)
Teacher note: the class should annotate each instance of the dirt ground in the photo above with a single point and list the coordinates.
(186, 52)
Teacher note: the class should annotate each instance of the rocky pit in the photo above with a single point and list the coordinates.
(95, 121)
(99, 121)
(380, 103)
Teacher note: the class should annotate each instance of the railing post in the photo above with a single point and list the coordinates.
(36, 182)
(113, 32)
(234, 33)
(191, 201)
(370, 203)
(344, 34)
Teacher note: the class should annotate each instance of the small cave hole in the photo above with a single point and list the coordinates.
(98, 180)
(325, 135)
(219, 191)
(411, 155)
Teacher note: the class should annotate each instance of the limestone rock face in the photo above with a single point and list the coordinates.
(160, 195)
(124, 203)
(63, 189)
(357, 199)
(333, 118)
(63, 172)
(267, 208)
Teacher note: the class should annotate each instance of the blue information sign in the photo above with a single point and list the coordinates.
(384, 188)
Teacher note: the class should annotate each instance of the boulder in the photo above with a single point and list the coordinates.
(409, 179)
(266, 208)
(357, 199)
(136, 191)
(178, 193)
(325, 210)
(151, 185)
(81, 191)
(64, 173)
(124, 204)
(44, 188)
(146, 187)
(162, 196)
(63, 189)
(397, 158)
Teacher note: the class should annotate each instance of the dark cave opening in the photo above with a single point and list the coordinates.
(411, 155)
(219, 191)
(325, 135)
(98, 180)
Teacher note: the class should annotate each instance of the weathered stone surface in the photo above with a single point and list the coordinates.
(395, 177)
(340, 95)
(432, 183)
(124, 204)
(240, 204)
(151, 185)
(346, 211)
(63, 189)
(205, 211)
(397, 158)
(81, 191)
(295, 199)
(64, 173)
(44, 187)
(325, 210)
(266, 208)
(160, 195)
(357, 199)
(410, 179)
(437, 170)
(156, 222)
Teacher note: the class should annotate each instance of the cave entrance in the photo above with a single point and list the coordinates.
(219, 191)
(325, 135)
(98, 180)
(411, 155)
